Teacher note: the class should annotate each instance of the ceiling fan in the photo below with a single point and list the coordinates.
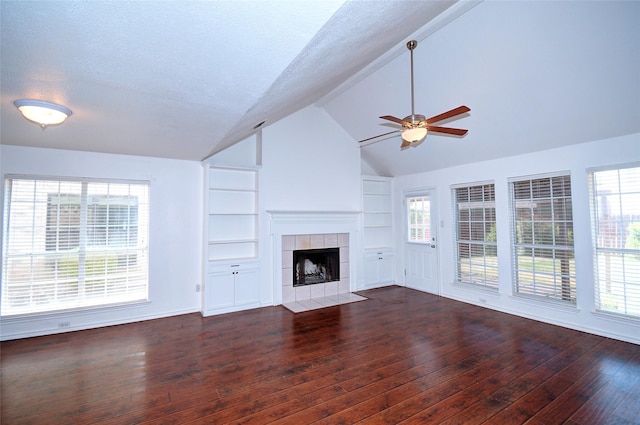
(415, 126)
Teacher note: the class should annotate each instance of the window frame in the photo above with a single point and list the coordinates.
(544, 256)
(123, 265)
(621, 250)
(425, 226)
(485, 245)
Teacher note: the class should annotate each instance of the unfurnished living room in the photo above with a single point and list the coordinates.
(332, 212)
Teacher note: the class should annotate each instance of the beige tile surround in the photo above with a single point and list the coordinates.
(320, 290)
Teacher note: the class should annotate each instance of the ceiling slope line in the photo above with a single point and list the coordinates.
(449, 15)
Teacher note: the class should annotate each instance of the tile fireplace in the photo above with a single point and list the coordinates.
(313, 230)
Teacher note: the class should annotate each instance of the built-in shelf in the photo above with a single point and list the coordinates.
(377, 229)
(231, 270)
(232, 213)
(377, 212)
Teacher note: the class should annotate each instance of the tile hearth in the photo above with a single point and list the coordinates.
(327, 301)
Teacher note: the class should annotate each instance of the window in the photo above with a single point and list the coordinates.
(615, 217)
(73, 243)
(542, 234)
(419, 219)
(476, 244)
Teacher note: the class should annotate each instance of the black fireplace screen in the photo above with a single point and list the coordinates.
(311, 266)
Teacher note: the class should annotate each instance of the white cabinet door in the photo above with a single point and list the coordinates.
(371, 273)
(231, 287)
(378, 268)
(385, 268)
(219, 292)
(247, 289)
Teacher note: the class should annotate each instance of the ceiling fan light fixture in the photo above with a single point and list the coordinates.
(415, 126)
(42, 113)
(414, 134)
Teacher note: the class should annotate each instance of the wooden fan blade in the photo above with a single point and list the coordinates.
(394, 119)
(379, 135)
(447, 130)
(452, 113)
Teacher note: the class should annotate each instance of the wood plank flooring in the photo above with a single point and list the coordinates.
(401, 357)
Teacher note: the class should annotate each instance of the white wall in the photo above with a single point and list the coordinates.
(309, 163)
(575, 159)
(175, 242)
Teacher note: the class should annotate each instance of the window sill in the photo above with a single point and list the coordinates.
(25, 317)
(616, 317)
(542, 302)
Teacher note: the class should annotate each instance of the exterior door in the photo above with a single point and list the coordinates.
(421, 247)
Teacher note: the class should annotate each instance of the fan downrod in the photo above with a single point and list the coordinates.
(418, 121)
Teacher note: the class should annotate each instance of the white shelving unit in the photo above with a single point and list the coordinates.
(378, 216)
(377, 231)
(232, 214)
(231, 281)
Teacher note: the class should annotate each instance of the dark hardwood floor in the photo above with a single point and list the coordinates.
(402, 356)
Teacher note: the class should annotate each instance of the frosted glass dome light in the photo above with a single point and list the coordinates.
(42, 113)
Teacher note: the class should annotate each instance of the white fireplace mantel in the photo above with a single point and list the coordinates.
(299, 222)
(288, 222)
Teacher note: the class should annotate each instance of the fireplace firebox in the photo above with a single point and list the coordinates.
(311, 266)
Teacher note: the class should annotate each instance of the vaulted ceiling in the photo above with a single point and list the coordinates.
(187, 79)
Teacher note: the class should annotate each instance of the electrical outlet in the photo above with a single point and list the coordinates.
(197, 288)
(64, 324)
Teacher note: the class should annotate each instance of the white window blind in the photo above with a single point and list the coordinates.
(73, 244)
(615, 216)
(419, 219)
(542, 235)
(476, 239)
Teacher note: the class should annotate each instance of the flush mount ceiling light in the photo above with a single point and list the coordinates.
(42, 113)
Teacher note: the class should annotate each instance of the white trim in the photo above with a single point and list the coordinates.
(539, 176)
(52, 314)
(91, 325)
(231, 166)
(470, 184)
(616, 317)
(544, 318)
(79, 179)
(613, 167)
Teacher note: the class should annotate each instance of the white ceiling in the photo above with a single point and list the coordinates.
(183, 79)
(187, 79)
(536, 75)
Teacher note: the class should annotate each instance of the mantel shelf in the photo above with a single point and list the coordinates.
(311, 212)
(230, 241)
